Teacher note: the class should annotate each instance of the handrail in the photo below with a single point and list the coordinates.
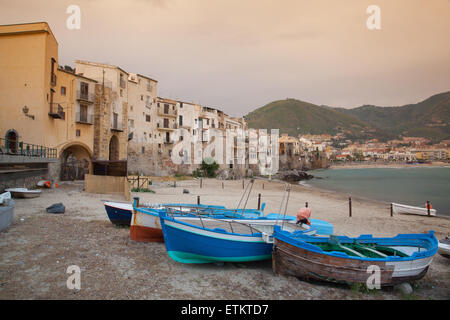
(26, 149)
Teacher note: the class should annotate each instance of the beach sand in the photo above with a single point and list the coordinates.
(37, 249)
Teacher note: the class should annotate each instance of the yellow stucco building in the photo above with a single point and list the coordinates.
(40, 103)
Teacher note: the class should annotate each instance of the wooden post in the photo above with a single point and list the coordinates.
(201, 183)
(306, 204)
(349, 206)
(392, 210)
(243, 183)
(428, 207)
(263, 185)
(136, 199)
(198, 200)
(222, 185)
(175, 184)
(259, 201)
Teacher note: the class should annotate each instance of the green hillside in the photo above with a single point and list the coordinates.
(294, 117)
(429, 118)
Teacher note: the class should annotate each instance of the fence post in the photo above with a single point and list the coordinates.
(201, 183)
(349, 206)
(392, 210)
(243, 183)
(428, 207)
(263, 185)
(259, 201)
(198, 200)
(222, 185)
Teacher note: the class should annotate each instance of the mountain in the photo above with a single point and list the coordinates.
(429, 118)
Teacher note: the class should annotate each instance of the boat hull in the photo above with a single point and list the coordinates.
(290, 260)
(145, 227)
(444, 248)
(24, 194)
(119, 213)
(404, 209)
(188, 244)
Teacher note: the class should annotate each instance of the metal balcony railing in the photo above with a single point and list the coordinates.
(84, 118)
(11, 147)
(168, 112)
(56, 111)
(86, 96)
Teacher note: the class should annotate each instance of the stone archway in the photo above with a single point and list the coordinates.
(75, 163)
(114, 149)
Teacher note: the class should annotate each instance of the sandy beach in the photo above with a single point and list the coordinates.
(37, 248)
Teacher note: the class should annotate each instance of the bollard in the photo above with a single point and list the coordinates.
(428, 207)
(306, 204)
(392, 210)
(198, 200)
(349, 206)
(259, 201)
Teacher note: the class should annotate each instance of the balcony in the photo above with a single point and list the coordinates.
(116, 127)
(85, 96)
(53, 79)
(170, 141)
(84, 118)
(167, 112)
(166, 127)
(56, 111)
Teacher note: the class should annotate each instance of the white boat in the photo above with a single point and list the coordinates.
(405, 209)
(6, 210)
(24, 193)
(444, 247)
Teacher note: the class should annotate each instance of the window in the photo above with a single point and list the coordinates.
(78, 132)
(143, 149)
(142, 97)
(84, 90)
(121, 92)
(63, 91)
(83, 113)
(180, 120)
(131, 121)
(147, 117)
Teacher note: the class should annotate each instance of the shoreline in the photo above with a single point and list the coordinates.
(355, 165)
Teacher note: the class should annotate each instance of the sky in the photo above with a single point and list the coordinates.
(238, 55)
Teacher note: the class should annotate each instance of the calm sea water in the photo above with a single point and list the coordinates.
(409, 185)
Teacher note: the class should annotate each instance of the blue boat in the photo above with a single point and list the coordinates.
(119, 213)
(405, 257)
(206, 240)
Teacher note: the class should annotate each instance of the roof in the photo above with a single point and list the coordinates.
(26, 28)
(75, 74)
(97, 64)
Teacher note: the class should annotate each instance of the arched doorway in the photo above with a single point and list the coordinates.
(12, 140)
(75, 163)
(113, 149)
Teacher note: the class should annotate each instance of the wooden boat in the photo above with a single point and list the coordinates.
(444, 247)
(322, 227)
(405, 209)
(24, 193)
(206, 240)
(402, 258)
(119, 213)
(6, 210)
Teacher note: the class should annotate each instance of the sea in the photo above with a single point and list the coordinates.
(405, 185)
